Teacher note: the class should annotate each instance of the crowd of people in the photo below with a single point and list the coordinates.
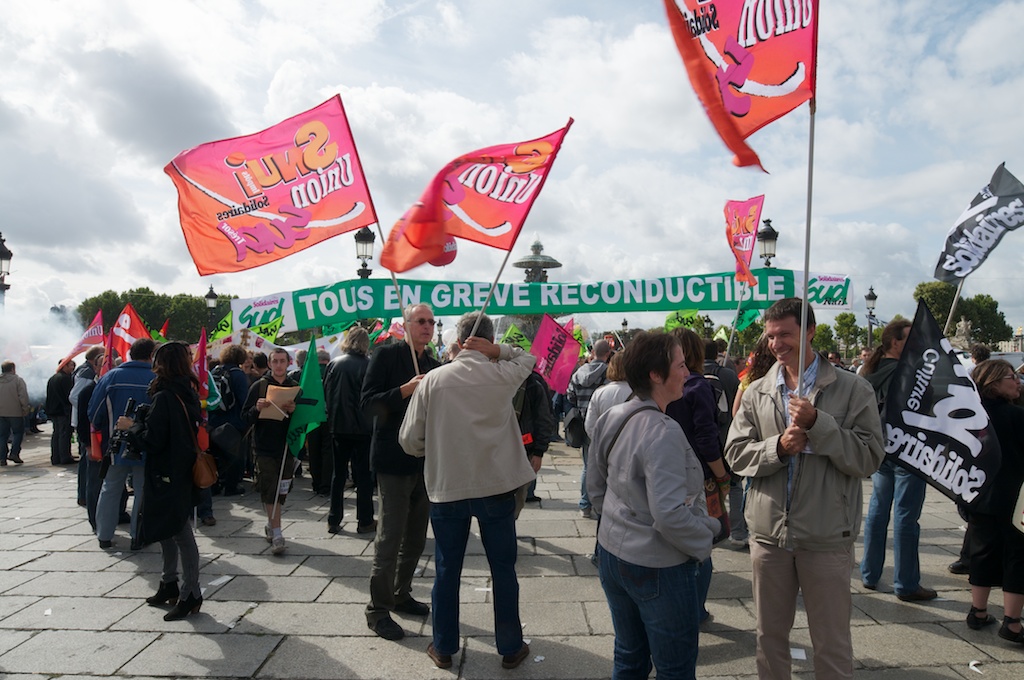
(681, 453)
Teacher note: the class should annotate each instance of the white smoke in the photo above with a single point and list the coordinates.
(36, 341)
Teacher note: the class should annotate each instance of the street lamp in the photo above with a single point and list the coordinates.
(211, 305)
(440, 327)
(5, 269)
(625, 327)
(869, 300)
(364, 250)
(767, 238)
(709, 326)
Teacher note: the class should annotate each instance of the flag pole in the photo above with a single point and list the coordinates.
(490, 293)
(952, 308)
(401, 307)
(280, 478)
(807, 248)
(736, 319)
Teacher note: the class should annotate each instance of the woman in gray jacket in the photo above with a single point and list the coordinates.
(647, 485)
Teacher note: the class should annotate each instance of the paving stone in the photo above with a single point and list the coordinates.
(289, 618)
(300, 657)
(555, 657)
(74, 583)
(75, 651)
(70, 613)
(181, 655)
(11, 604)
(274, 588)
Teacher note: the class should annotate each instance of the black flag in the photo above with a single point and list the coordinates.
(997, 209)
(935, 425)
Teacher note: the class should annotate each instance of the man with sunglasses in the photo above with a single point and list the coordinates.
(391, 378)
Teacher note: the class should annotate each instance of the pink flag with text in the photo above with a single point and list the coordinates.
(741, 220)
(556, 351)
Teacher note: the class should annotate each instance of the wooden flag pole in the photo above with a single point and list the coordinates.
(736, 319)
(952, 307)
(490, 293)
(401, 307)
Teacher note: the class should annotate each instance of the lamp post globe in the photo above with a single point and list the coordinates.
(364, 250)
(869, 301)
(211, 306)
(767, 238)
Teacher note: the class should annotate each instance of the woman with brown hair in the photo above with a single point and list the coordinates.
(168, 436)
(997, 548)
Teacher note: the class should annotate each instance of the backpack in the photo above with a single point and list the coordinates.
(222, 378)
(722, 404)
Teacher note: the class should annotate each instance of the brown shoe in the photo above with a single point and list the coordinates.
(919, 595)
(513, 660)
(440, 660)
(367, 528)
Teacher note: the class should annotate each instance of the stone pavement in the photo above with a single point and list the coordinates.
(71, 610)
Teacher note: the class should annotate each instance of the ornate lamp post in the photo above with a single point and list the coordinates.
(440, 327)
(625, 329)
(364, 250)
(869, 301)
(5, 269)
(767, 238)
(211, 307)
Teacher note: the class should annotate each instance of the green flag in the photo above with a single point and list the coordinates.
(680, 318)
(577, 334)
(222, 329)
(722, 334)
(270, 330)
(746, 318)
(336, 328)
(514, 336)
(310, 406)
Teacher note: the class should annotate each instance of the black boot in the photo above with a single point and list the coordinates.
(190, 605)
(167, 593)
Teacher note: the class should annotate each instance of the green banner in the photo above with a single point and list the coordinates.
(514, 336)
(359, 299)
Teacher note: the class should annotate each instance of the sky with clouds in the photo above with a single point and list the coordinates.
(918, 102)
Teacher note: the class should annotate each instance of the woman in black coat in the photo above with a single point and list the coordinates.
(997, 547)
(168, 436)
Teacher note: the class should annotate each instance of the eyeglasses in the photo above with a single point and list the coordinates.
(428, 322)
(1009, 377)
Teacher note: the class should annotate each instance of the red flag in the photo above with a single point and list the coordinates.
(483, 196)
(199, 365)
(108, 349)
(750, 61)
(248, 201)
(129, 328)
(163, 329)
(93, 335)
(741, 220)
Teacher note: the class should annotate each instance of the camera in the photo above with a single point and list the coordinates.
(119, 438)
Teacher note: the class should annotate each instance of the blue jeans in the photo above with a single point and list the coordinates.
(496, 517)
(704, 586)
(584, 496)
(108, 507)
(655, 613)
(12, 427)
(890, 483)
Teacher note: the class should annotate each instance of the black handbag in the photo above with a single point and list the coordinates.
(575, 434)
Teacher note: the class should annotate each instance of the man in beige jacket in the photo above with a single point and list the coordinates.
(13, 409)
(461, 420)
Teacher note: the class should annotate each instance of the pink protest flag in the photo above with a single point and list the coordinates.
(556, 351)
(248, 201)
(741, 220)
(482, 196)
(93, 335)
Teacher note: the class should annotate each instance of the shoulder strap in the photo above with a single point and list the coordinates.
(623, 424)
(188, 422)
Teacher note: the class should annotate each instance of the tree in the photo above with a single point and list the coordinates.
(847, 332)
(988, 324)
(823, 339)
(937, 297)
(747, 338)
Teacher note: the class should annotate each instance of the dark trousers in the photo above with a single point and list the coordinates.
(60, 441)
(321, 462)
(354, 448)
(401, 537)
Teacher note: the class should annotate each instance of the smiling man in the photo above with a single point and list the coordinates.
(806, 456)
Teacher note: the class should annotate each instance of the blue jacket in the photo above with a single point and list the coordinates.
(130, 379)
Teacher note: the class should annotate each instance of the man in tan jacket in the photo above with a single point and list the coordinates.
(13, 409)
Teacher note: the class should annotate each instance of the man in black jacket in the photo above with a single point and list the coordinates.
(58, 409)
(349, 427)
(390, 381)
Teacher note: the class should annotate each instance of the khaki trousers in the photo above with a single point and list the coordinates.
(824, 579)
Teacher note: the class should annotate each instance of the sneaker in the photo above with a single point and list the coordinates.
(267, 534)
(587, 513)
(513, 660)
(440, 660)
(277, 545)
(388, 629)
(735, 544)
